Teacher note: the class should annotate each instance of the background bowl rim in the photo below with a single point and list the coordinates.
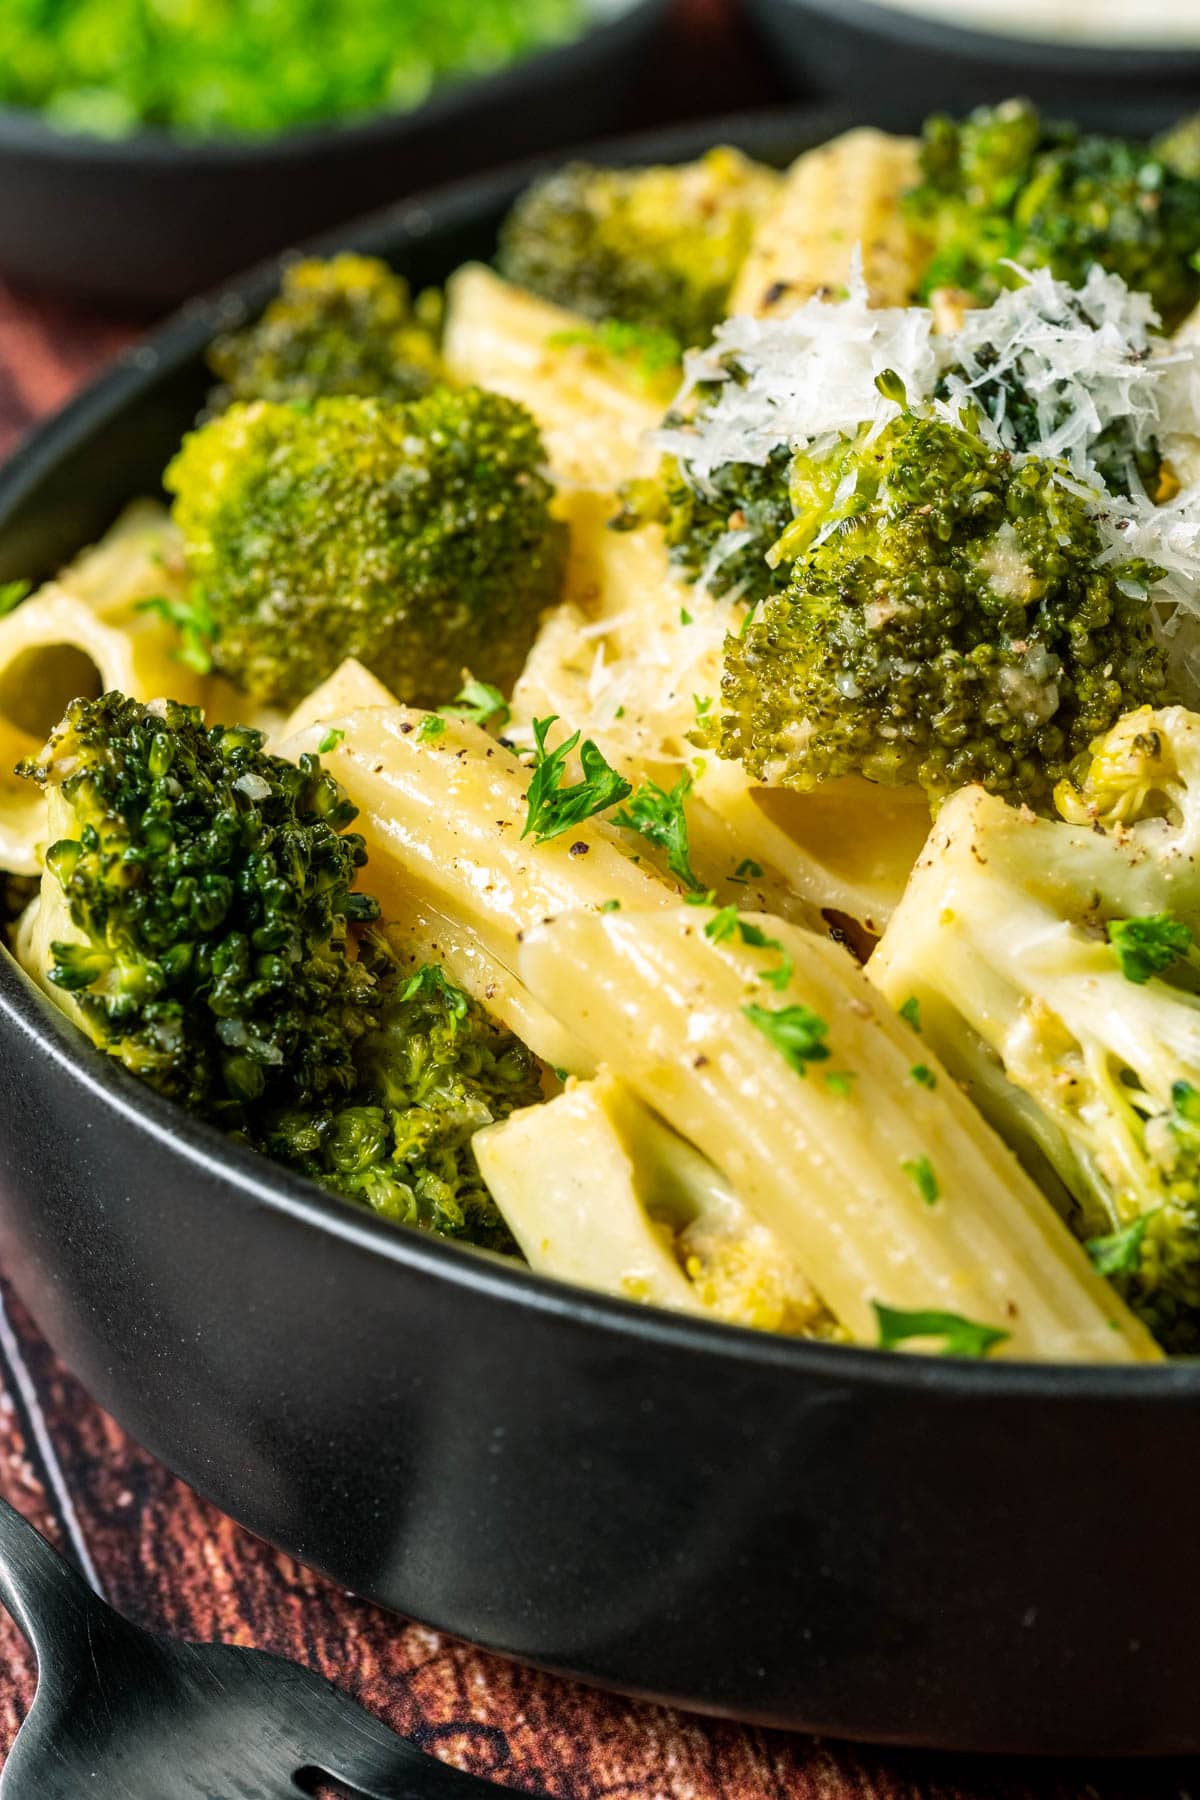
(921, 31)
(27, 130)
(24, 1009)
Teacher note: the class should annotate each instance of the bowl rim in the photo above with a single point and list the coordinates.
(925, 32)
(25, 129)
(51, 1038)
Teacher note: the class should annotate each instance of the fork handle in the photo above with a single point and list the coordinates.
(47, 1599)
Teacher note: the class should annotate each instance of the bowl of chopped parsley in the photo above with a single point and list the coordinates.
(148, 150)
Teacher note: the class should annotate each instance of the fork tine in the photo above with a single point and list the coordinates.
(369, 1757)
(49, 1601)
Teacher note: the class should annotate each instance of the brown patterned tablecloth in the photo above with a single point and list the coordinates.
(174, 1564)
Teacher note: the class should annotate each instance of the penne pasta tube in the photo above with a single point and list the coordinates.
(443, 813)
(597, 1190)
(890, 1193)
(595, 422)
(349, 688)
(837, 198)
(565, 1178)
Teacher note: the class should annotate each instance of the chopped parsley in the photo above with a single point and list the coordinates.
(748, 868)
(11, 595)
(685, 617)
(919, 1170)
(611, 906)
(1148, 946)
(649, 350)
(840, 1081)
(552, 808)
(959, 1336)
(431, 726)
(923, 1075)
(659, 817)
(797, 1032)
(1120, 1252)
(432, 981)
(911, 1012)
(480, 703)
(333, 737)
(193, 621)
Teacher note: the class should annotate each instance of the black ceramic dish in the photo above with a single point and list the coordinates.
(898, 66)
(146, 220)
(987, 1557)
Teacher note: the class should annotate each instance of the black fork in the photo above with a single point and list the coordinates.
(126, 1715)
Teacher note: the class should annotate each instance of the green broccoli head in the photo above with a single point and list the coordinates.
(195, 905)
(1006, 184)
(432, 1070)
(416, 538)
(346, 326)
(198, 919)
(653, 246)
(946, 621)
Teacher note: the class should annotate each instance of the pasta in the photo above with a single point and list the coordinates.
(855, 610)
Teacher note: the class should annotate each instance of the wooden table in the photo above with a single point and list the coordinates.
(171, 1562)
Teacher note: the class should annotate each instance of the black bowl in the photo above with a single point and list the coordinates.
(984, 1557)
(144, 221)
(901, 65)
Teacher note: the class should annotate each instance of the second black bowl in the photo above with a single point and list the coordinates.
(144, 221)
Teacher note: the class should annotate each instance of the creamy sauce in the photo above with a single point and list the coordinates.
(1149, 23)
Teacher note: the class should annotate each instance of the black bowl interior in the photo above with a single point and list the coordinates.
(143, 221)
(976, 1556)
(901, 65)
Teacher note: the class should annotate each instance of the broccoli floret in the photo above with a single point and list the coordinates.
(655, 247)
(1006, 184)
(1055, 969)
(195, 904)
(946, 620)
(198, 920)
(346, 326)
(416, 538)
(432, 1069)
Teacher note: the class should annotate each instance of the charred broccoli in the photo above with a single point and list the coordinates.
(1004, 184)
(1054, 964)
(653, 246)
(947, 620)
(416, 538)
(198, 919)
(346, 326)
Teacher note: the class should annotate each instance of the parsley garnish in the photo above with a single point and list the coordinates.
(611, 906)
(1120, 1252)
(648, 349)
(919, 1169)
(840, 1081)
(554, 809)
(11, 595)
(702, 703)
(685, 617)
(924, 1075)
(479, 702)
(797, 1032)
(193, 621)
(1148, 946)
(748, 867)
(724, 923)
(331, 740)
(911, 1011)
(960, 1337)
(659, 818)
(432, 981)
(431, 727)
